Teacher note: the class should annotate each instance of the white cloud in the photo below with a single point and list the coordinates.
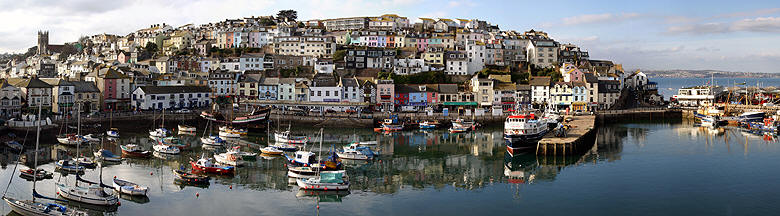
(461, 3)
(598, 18)
(761, 24)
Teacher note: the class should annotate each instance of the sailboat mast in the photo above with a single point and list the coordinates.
(37, 140)
(319, 153)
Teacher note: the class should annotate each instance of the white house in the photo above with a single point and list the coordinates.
(286, 89)
(351, 90)
(170, 97)
(408, 66)
(251, 61)
(457, 63)
(476, 56)
(540, 90)
(324, 89)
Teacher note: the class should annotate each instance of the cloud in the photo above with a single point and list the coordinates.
(461, 3)
(598, 18)
(761, 24)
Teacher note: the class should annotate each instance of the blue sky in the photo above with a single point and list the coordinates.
(722, 35)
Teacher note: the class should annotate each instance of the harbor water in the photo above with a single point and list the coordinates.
(632, 169)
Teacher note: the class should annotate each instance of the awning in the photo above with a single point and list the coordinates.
(460, 103)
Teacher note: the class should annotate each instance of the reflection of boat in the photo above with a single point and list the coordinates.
(458, 129)
(227, 134)
(187, 128)
(113, 133)
(129, 188)
(133, 150)
(91, 138)
(135, 199)
(523, 131)
(323, 196)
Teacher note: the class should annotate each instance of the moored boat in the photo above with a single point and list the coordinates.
(68, 166)
(270, 150)
(428, 125)
(187, 128)
(231, 158)
(523, 130)
(287, 137)
(324, 181)
(106, 155)
(133, 150)
(38, 174)
(212, 141)
(159, 133)
(205, 165)
(166, 149)
(129, 188)
(191, 178)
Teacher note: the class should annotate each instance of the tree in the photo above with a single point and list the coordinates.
(301, 25)
(339, 55)
(150, 47)
(287, 15)
(267, 22)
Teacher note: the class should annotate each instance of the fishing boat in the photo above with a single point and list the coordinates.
(253, 118)
(332, 181)
(68, 166)
(212, 141)
(129, 188)
(302, 158)
(308, 172)
(270, 150)
(233, 130)
(205, 165)
(754, 116)
(523, 130)
(107, 156)
(166, 149)
(461, 124)
(392, 124)
(13, 144)
(85, 162)
(286, 137)
(231, 158)
(187, 129)
(191, 178)
(427, 125)
(33, 207)
(710, 121)
(38, 174)
(133, 150)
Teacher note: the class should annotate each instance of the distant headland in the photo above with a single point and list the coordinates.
(706, 74)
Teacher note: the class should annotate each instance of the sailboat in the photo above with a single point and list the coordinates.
(33, 207)
(160, 132)
(69, 139)
(75, 164)
(105, 155)
(211, 140)
(325, 180)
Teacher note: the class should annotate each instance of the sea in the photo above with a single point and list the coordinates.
(668, 86)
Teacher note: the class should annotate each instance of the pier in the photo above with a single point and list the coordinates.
(578, 137)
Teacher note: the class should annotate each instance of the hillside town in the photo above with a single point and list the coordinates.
(385, 63)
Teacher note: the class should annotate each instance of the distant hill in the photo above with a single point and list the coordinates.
(707, 74)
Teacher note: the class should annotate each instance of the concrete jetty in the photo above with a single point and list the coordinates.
(581, 132)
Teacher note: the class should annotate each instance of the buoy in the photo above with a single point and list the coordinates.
(58, 193)
(231, 187)
(114, 177)
(119, 203)
(197, 194)
(326, 188)
(318, 206)
(151, 173)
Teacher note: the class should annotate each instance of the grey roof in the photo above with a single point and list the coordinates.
(448, 88)
(250, 78)
(323, 80)
(33, 83)
(523, 87)
(539, 81)
(57, 82)
(174, 89)
(270, 81)
(349, 82)
(85, 87)
(290, 81)
(591, 78)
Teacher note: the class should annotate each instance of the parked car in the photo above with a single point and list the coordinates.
(315, 111)
(350, 111)
(579, 112)
(183, 111)
(330, 111)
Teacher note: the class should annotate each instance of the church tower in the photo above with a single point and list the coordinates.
(43, 42)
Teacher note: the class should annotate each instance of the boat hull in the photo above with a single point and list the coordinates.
(306, 184)
(212, 170)
(75, 194)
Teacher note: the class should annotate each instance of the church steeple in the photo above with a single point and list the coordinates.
(43, 42)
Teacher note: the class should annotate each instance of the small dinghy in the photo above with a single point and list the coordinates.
(135, 151)
(191, 178)
(38, 174)
(107, 156)
(129, 188)
(229, 158)
(270, 150)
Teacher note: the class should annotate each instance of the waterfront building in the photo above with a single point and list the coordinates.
(580, 96)
(114, 86)
(457, 63)
(10, 100)
(285, 89)
(324, 88)
(540, 89)
(35, 93)
(386, 92)
(351, 90)
(609, 92)
(223, 82)
(87, 96)
(561, 96)
(62, 94)
(248, 86)
(170, 97)
(268, 89)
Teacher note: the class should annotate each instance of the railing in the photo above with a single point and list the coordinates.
(635, 110)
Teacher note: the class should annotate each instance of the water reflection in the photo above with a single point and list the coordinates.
(409, 160)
